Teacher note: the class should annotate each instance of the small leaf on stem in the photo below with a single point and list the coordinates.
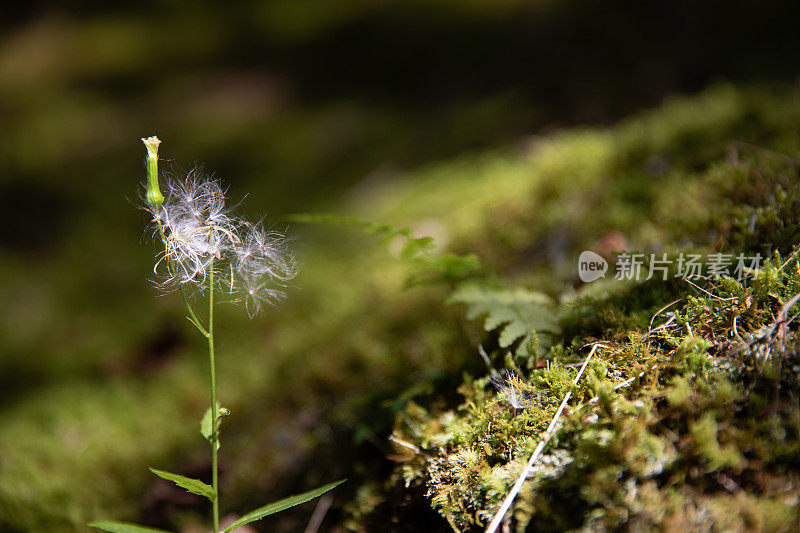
(205, 423)
(195, 486)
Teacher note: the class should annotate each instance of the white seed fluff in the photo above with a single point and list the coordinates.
(250, 263)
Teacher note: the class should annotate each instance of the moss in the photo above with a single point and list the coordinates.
(687, 417)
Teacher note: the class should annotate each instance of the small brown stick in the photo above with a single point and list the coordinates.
(789, 160)
(714, 296)
(662, 326)
(781, 321)
(789, 260)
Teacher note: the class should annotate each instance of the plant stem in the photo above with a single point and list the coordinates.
(214, 409)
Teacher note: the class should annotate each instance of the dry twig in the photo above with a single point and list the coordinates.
(548, 434)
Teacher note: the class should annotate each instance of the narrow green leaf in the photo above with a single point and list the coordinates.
(196, 324)
(195, 486)
(281, 505)
(124, 527)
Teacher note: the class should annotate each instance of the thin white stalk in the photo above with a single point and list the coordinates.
(322, 507)
(551, 429)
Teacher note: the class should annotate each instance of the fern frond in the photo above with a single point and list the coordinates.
(517, 314)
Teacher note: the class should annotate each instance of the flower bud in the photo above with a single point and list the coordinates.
(154, 196)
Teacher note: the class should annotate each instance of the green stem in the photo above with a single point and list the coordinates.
(214, 409)
(154, 196)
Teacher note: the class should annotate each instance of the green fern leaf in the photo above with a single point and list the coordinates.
(517, 314)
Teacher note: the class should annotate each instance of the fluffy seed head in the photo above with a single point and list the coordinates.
(250, 263)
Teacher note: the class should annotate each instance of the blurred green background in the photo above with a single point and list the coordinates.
(300, 106)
